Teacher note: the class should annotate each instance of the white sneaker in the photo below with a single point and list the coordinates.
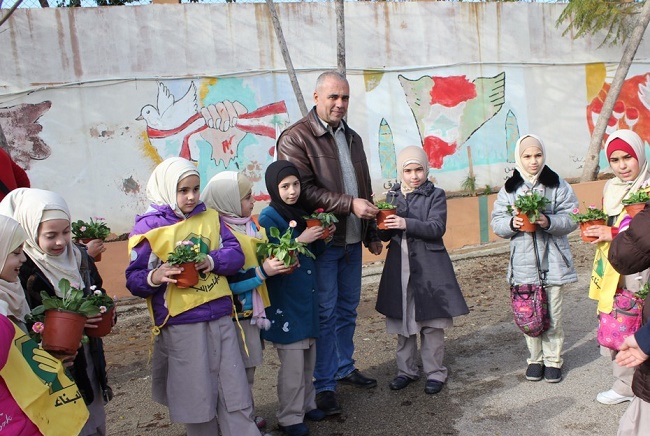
(612, 397)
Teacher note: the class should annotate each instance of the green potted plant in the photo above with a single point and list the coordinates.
(286, 249)
(636, 201)
(106, 306)
(59, 322)
(85, 232)
(185, 255)
(529, 206)
(321, 218)
(591, 217)
(385, 209)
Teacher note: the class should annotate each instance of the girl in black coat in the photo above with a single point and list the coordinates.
(418, 291)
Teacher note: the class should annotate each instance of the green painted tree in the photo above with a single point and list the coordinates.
(623, 22)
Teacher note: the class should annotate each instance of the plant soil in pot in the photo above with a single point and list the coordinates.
(85, 241)
(584, 225)
(382, 215)
(312, 222)
(634, 208)
(63, 331)
(188, 277)
(527, 226)
(104, 326)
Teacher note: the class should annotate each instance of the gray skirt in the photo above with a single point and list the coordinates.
(192, 364)
(254, 343)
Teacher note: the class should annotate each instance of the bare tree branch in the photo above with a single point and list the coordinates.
(11, 10)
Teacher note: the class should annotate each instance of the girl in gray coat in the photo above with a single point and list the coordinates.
(418, 291)
(556, 262)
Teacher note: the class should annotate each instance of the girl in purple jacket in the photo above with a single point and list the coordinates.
(198, 372)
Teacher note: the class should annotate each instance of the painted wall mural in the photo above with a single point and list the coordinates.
(21, 128)
(632, 108)
(214, 134)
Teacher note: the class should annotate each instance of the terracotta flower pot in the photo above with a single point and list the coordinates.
(313, 222)
(104, 326)
(63, 331)
(633, 209)
(527, 226)
(189, 277)
(382, 215)
(85, 241)
(584, 225)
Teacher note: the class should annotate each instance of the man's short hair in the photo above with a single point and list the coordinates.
(333, 74)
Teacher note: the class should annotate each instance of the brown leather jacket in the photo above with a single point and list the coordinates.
(629, 254)
(314, 152)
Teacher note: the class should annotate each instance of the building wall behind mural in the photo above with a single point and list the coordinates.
(92, 99)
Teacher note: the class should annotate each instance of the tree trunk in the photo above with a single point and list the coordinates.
(590, 170)
(287, 58)
(340, 36)
(44, 3)
(5, 16)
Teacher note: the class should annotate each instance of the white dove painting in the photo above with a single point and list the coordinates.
(448, 110)
(180, 127)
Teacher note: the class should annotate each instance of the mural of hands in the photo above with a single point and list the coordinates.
(221, 119)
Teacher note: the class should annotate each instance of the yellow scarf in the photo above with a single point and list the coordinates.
(41, 388)
(204, 229)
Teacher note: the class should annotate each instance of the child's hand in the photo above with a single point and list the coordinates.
(395, 222)
(91, 322)
(165, 274)
(273, 266)
(204, 266)
(602, 233)
(95, 247)
(310, 234)
(543, 221)
(332, 229)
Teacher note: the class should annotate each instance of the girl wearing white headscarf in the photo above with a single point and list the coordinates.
(418, 291)
(230, 194)
(197, 369)
(13, 303)
(41, 272)
(549, 240)
(630, 167)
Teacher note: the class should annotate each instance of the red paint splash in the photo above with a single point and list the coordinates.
(226, 144)
(449, 91)
(437, 149)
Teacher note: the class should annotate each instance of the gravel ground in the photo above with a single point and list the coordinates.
(486, 394)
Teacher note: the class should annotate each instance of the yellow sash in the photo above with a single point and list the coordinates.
(249, 245)
(604, 278)
(203, 229)
(41, 388)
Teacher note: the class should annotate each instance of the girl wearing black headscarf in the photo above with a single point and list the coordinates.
(294, 302)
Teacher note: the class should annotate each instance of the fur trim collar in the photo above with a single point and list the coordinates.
(548, 178)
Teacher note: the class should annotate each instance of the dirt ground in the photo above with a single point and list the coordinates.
(485, 353)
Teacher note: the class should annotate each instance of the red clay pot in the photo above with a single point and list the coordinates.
(189, 277)
(633, 209)
(527, 226)
(583, 227)
(313, 222)
(104, 326)
(63, 331)
(382, 215)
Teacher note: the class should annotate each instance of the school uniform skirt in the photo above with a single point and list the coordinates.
(197, 365)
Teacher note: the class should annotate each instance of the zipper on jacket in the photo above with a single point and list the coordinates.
(566, 261)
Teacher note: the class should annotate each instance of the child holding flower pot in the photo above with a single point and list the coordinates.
(230, 194)
(197, 370)
(294, 302)
(52, 256)
(418, 291)
(548, 243)
(625, 153)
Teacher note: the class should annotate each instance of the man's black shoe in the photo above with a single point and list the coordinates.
(399, 382)
(355, 378)
(326, 401)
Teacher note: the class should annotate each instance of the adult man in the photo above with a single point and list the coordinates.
(11, 175)
(335, 176)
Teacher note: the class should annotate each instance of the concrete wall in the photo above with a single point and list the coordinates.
(91, 99)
